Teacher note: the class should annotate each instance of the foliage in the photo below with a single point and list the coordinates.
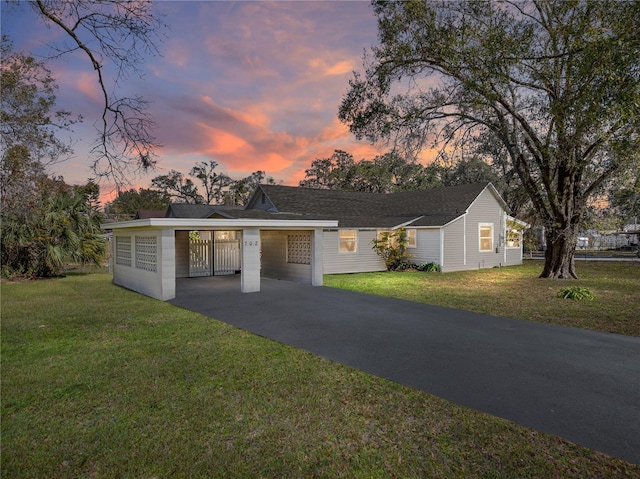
(576, 293)
(391, 246)
(116, 37)
(44, 222)
(240, 191)
(215, 184)
(429, 267)
(177, 187)
(128, 202)
(61, 224)
(27, 118)
(115, 384)
(551, 88)
(384, 174)
(624, 197)
(219, 187)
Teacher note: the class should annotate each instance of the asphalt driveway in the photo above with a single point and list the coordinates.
(583, 386)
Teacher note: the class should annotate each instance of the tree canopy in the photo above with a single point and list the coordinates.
(554, 86)
(43, 221)
(219, 188)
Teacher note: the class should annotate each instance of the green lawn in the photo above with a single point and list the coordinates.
(101, 382)
(517, 292)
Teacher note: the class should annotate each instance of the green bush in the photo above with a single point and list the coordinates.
(576, 293)
(391, 246)
(429, 267)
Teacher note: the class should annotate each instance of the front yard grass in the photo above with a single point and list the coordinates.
(517, 292)
(101, 382)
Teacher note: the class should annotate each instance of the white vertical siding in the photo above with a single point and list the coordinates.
(274, 257)
(363, 260)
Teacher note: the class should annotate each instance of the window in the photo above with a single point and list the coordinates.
(348, 241)
(513, 238)
(486, 237)
(411, 238)
(299, 249)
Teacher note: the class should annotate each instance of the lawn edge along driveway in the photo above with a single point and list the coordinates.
(583, 386)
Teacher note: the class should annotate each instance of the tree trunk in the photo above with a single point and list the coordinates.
(559, 255)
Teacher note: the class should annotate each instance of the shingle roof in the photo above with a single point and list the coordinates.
(433, 207)
(352, 209)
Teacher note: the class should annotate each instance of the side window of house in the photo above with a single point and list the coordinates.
(486, 237)
(348, 241)
(513, 238)
(411, 238)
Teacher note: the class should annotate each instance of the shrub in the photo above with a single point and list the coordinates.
(576, 293)
(391, 246)
(429, 267)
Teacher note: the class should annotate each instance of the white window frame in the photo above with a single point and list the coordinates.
(412, 237)
(342, 242)
(482, 226)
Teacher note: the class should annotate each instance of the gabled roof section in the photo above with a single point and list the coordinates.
(433, 207)
(352, 209)
(292, 199)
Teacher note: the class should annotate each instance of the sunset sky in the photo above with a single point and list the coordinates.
(251, 85)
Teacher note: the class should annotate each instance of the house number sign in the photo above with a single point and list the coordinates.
(251, 243)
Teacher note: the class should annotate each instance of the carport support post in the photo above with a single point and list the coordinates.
(250, 273)
(317, 259)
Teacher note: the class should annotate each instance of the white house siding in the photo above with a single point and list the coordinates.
(485, 209)
(274, 257)
(453, 246)
(182, 254)
(364, 260)
(152, 266)
(427, 248)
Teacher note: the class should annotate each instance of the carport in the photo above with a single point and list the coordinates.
(147, 254)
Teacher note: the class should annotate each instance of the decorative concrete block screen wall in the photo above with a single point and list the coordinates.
(139, 262)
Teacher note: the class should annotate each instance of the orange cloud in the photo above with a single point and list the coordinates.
(340, 68)
(239, 155)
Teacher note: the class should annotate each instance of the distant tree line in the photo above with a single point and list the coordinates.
(391, 172)
(204, 186)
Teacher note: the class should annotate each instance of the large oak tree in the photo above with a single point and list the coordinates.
(556, 84)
